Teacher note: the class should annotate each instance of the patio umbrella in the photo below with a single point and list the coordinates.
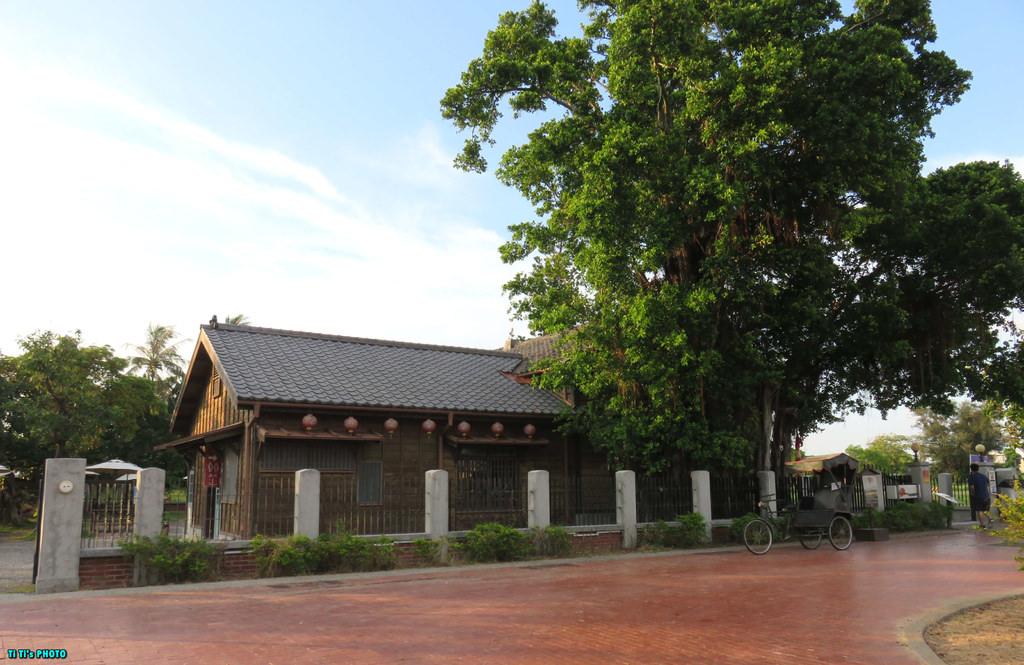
(127, 476)
(114, 466)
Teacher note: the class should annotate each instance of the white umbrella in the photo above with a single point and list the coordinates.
(3, 468)
(127, 476)
(114, 466)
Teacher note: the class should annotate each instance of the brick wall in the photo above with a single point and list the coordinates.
(105, 572)
(115, 571)
(596, 542)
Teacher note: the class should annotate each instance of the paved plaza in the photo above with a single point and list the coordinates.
(717, 606)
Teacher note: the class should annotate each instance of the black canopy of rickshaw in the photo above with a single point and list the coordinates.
(840, 465)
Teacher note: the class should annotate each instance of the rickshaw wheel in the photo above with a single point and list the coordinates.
(810, 538)
(757, 536)
(840, 533)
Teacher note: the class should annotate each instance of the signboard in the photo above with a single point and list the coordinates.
(901, 492)
(873, 491)
(213, 470)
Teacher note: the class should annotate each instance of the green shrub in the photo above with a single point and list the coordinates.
(691, 530)
(737, 526)
(906, 516)
(329, 553)
(495, 542)
(174, 560)
(1011, 511)
(552, 541)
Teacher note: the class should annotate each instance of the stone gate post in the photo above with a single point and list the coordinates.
(60, 525)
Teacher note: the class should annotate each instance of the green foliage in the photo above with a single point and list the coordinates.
(737, 525)
(949, 439)
(330, 553)
(552, 541)
(60, 398)
(1011, 511)
(689, 532)
(175, 560)
(724, 268)
(888, 453)
(495, 542)
(907, 516)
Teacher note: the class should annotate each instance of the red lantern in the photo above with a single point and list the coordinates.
(529, 431)
(309, 422)
(463, 428)
(351, 424)
(496, 429)
(429, 426)
(391, 425)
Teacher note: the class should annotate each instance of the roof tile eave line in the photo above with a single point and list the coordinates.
(360, 340)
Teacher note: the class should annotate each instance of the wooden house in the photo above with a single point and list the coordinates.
(372, 416)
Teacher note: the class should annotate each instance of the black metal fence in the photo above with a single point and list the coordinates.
(663, 497)
(583, 501)
(108, 512)
(734, 496)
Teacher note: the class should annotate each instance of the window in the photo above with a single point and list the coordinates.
(229, 479)
(371, 482)
(321, 455)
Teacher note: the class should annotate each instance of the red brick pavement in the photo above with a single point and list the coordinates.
(790, 606)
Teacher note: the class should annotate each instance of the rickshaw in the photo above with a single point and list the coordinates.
(823, 507)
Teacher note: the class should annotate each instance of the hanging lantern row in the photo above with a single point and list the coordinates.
(309, 421)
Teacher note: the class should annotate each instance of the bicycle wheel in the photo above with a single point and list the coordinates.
(810, 537)
(840, 533)
(757, 536)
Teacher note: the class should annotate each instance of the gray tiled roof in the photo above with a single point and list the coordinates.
(268, 365)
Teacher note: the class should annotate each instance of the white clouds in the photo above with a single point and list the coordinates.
(116, 214)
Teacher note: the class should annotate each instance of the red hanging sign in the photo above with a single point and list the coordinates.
(213, 469)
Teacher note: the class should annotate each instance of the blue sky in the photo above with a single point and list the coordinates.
(163, 162)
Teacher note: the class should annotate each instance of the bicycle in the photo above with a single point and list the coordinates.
(811, 527)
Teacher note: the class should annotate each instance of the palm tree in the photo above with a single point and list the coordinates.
(237, 320)
(158, 360)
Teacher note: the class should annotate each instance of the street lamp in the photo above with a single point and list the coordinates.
(981, 451)
(914, 447)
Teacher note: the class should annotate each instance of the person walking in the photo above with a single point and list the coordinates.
(981, 497)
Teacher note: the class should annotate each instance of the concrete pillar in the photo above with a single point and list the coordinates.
(625, 507)
(920, 475)
(538, 512)
(946, 483)
(701, 481)
(436, 504)
(766, 487)
(60, 525)
(307, 503)
(1001, 475)
(149, 502)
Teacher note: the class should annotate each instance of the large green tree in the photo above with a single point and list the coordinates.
(733, 236)
(65, 399)
(888, 453)
(948, 440)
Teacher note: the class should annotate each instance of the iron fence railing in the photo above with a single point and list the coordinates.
(108, 512)
(734, 496)
(395, 506)
(583, 501)
(663, 497)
